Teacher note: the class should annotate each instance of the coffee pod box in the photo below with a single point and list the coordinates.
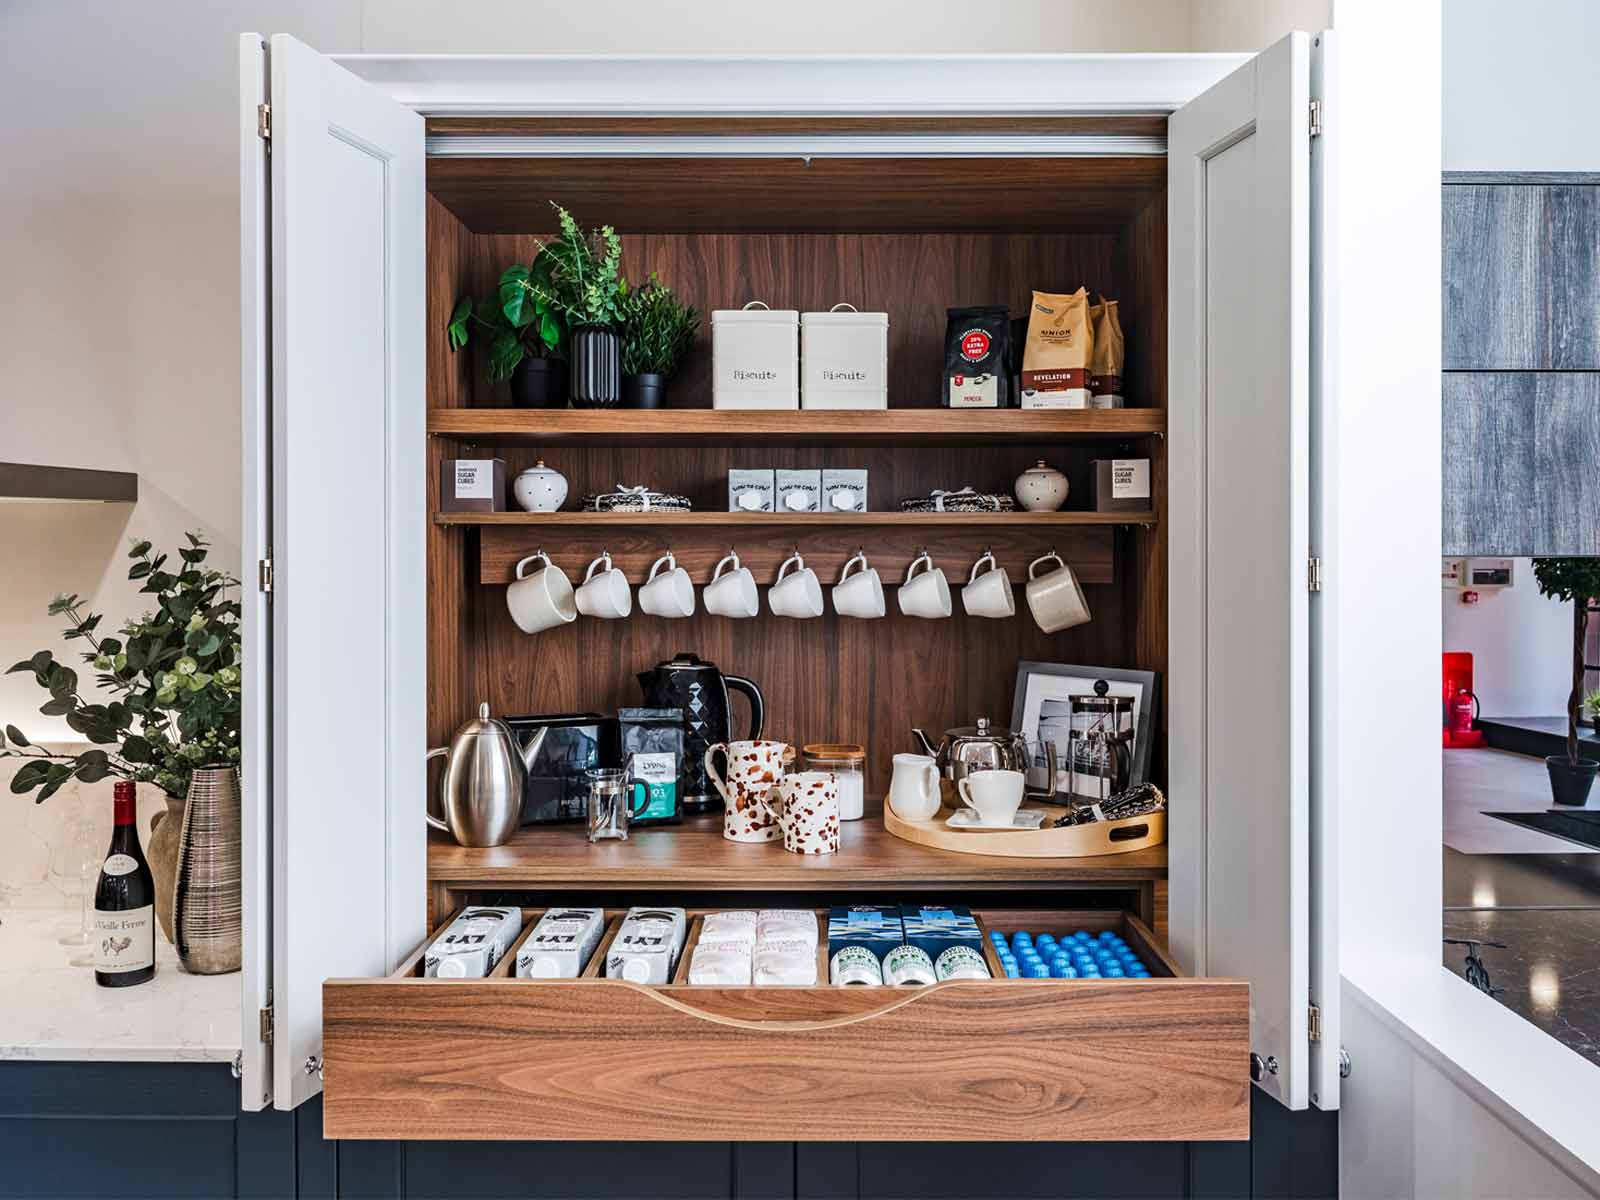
(751, 490)
(472, 944)
(799, 490)
(875, 927)
(1122, 485)
(560, 944)
(647, 945)
(936, 928)
(844, 490)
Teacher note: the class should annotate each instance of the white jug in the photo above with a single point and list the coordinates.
(914, 787)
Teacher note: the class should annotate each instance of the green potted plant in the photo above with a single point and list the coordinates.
(1576, 580)
(1591, 709)
(657, 329)
(167, 714)
(527, 337)
(577, 277)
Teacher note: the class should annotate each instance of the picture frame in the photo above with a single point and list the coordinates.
(1038, 682)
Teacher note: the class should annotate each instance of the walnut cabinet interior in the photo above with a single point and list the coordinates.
(1165, 1058)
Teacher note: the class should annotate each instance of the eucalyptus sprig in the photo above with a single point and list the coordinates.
(174, 674)
(577, 276)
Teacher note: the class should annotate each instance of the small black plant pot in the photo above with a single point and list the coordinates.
(539, 383)
(643, 391)
(596, 367)
(1570, 784)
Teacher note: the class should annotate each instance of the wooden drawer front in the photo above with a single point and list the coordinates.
(1049, 1060)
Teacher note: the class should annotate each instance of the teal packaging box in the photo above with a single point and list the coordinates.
(937, 927)
(877, 927)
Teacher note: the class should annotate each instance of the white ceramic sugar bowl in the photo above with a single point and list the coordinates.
(540, 488)
(1041, 488)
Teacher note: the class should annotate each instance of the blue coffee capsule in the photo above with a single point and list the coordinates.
(1011, 970)
(1038, 971)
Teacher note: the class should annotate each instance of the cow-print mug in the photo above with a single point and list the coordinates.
(808, 808)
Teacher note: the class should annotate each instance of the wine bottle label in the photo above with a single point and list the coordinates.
(121, 864)
(124, 941)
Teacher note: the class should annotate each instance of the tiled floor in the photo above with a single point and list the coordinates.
(1537, 894)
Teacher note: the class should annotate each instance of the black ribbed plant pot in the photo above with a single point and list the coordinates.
(1569, 785)
(643, 391)
(539, 383)
(596, 367)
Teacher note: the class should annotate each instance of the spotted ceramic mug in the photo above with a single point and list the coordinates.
(808, 805)
(749, 812)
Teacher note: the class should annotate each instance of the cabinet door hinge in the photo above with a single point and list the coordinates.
(1316, 118)
(266, 1024)
(264, 122)
(1314, 573)
(1314, 1023)
(264, 575)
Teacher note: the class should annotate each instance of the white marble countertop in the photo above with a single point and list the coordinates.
(52, 1010)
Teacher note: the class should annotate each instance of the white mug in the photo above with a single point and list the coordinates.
(1056, 599)
(994, 796)
(604, 592)
(542, 600)
(796, 595)
(861, 594)
(927, 594)
(914, 787)
(733, 594)
(668, 593)
(988, 594)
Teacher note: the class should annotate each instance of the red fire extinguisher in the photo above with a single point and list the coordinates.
(1462, 712)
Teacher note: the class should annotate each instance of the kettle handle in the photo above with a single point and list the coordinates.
(433, 821)
(758, 709)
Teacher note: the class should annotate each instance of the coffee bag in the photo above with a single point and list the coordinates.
(1055, 361)
(1106, 357)
(976, 352)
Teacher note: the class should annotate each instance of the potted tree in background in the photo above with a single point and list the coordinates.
(657, 329)
(1576, 580)
(171, 718)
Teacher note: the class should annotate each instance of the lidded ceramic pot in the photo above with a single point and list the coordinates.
(1041, 488)
(540, 488)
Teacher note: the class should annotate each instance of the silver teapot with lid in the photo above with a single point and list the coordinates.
(480, 795)
(980, 747)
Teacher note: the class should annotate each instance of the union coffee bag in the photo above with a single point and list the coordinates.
(1106, 357)
(976, 354)
(1055, 361)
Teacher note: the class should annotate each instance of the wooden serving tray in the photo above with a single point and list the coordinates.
(1075, 841)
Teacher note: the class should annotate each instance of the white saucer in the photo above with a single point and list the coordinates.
(966, 819)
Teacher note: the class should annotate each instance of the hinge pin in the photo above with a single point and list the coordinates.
(1316, 118)
(265, 1019)
(264, 122)
(264, 575)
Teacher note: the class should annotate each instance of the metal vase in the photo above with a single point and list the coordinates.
(208, 909)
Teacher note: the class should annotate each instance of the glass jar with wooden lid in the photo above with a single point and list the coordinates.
(847, 761)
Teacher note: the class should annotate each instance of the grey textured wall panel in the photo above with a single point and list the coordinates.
(1574, 222)
(1489, 463)
(1567, 463)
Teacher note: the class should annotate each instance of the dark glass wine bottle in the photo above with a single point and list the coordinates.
(124, 904)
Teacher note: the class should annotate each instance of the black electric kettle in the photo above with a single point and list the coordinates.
(691, 683)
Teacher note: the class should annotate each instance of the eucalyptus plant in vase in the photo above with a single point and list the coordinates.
(166, 712)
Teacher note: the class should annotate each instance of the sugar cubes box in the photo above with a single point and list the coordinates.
(473, 943)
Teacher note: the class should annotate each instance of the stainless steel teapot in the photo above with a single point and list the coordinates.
(980, 747)
(484, 772)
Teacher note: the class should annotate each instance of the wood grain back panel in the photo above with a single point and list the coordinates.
(959, 1061)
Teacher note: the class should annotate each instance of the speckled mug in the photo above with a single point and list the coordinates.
(808, 812)
(749, 811)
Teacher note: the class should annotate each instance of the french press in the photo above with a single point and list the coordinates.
(1099, 745)
(613, 800)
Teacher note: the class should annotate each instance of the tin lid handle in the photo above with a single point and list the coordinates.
(843, 304)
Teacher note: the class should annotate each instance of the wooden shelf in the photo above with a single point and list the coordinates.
(792, 427)
(1012, 522)
(696, 855)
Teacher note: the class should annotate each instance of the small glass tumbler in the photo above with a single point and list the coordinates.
(1041, 773)
(610, 792)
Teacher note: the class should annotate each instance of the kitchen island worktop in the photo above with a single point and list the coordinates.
(52, 1010)
(695, 854)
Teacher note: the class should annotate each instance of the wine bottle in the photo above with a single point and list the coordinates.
(124, 903)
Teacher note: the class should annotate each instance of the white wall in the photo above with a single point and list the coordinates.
(1520, 85)
(1521, 646)
(1223, 25)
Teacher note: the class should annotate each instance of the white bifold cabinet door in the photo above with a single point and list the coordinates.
(336, 658)
(1239, 198)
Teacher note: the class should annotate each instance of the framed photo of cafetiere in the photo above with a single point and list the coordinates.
(1042, 709)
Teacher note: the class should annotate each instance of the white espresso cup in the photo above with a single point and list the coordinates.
(924, 594)
(1055, 598)
(994, 796)
(669, 592)
(859, 594)
(543, 599)
(604, 592)
(733, 594)
(797, 594)
(988, 594)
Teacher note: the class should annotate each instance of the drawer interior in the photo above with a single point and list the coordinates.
(596, 1058)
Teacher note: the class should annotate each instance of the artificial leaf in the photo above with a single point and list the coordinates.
(139, 550)
(14, 735)
(456, 331)
(57, 708)
(515, 298)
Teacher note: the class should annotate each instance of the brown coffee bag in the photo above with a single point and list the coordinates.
(1107, 356)
(1055, 360)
